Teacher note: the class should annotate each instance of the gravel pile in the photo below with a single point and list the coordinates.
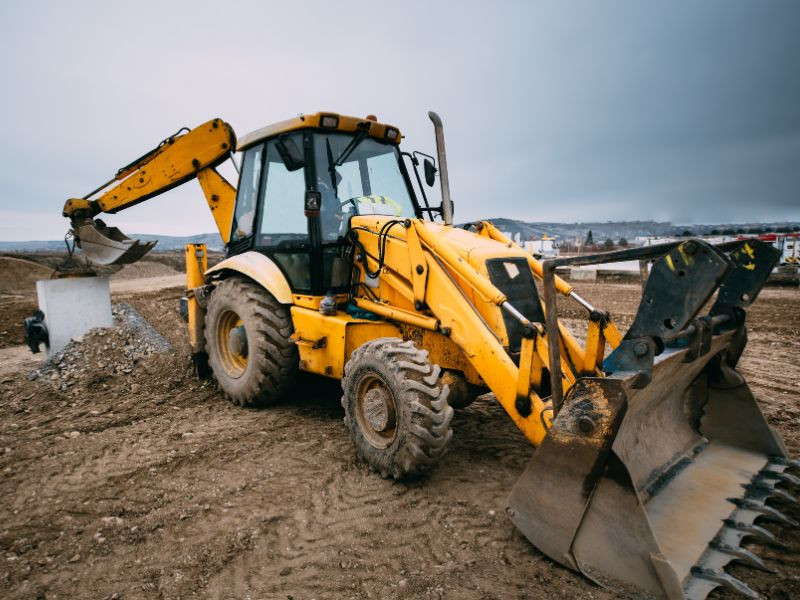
(110, 351)
(144, 268)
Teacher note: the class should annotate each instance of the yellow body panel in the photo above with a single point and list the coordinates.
(260, 269)
(74, 205)
(196, 265)
(345, 124)
(221, 198)
(326, 342)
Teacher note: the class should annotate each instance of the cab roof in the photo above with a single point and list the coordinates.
(326, 121)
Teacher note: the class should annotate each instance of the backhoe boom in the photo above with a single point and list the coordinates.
(176, 160)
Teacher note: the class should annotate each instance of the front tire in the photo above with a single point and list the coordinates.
(396, 407)
(247, 339)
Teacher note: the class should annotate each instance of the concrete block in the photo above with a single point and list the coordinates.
(72, 306)
(583, 274)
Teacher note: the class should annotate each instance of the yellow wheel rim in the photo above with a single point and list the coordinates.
(232, 355)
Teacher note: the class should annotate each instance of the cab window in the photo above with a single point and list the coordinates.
(283, 221)
(249, 181)
(283, 226)
(368, 181)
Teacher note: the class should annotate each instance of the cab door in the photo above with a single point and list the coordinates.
(270, 216)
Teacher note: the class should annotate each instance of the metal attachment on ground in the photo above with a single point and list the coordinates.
(36, 332)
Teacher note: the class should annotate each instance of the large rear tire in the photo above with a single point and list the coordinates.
(247, 339)
(396, 407)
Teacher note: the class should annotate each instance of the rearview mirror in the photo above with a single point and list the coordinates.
(290, 154)
(430, 172)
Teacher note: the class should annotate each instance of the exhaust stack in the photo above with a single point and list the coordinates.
(447, 204)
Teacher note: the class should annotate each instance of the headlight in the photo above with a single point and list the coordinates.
(329, 121)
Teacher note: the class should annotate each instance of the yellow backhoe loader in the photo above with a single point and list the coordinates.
(653, 461)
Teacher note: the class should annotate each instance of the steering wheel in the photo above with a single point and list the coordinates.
(350, 201)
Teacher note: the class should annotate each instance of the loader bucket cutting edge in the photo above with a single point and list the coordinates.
(105, 245)
(651, 490)
(664, 509)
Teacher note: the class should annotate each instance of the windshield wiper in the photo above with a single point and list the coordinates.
(331, 166)
(359, 137)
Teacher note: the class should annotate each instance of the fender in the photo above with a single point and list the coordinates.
(260, 269)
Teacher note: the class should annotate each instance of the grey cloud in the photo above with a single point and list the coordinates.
(553, 110)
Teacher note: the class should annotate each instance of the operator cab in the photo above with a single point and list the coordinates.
(302, 180)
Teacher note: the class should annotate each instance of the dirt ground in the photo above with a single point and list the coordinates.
(20, 271)
(149, 484)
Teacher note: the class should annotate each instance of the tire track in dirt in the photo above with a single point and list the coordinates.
(170, 492)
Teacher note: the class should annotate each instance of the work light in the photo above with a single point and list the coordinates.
(329, 121)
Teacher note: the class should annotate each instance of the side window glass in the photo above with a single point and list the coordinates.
(350, 182)
(244, 215)
(283, 219)
(333, 216)
(386, 180)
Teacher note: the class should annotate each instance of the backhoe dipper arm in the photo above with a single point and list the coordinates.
(176, 160)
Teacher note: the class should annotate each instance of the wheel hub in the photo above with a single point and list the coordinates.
(237, 341)
(376, 409)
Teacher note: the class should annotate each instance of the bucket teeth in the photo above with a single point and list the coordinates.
(785, 477)
(725, 580)
(766, 511)
(786, 462)
(742, 555)
(762, 488)
(754, 531)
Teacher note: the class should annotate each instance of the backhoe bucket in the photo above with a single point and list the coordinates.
(105, 245)
(649, 480)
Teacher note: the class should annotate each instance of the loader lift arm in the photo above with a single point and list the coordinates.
(179, 158)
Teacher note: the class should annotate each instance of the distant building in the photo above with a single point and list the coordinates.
(543, 247)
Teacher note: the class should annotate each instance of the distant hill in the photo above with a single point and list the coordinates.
(165, 243)
(213, 241)
(630, 229)
(600, 231)
(527, 230)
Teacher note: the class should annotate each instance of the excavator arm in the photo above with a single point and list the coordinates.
(176, 160)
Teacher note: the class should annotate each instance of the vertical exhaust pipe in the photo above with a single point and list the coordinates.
(447, 204)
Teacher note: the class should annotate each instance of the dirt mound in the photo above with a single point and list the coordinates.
(103, 353)
(142, 269)
(19, 276)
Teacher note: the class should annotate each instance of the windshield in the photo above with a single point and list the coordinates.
(368, 182)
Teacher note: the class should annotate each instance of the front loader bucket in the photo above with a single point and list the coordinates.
(106, 245)
(649, 480)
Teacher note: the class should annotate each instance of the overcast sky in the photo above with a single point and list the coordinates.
(554, 111)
